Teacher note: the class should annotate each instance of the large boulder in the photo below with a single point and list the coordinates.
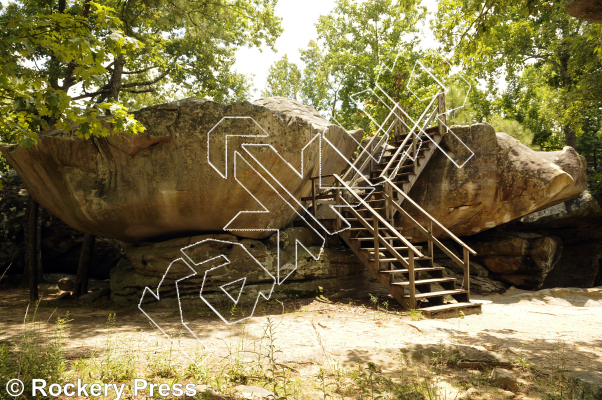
(505, 180)
(150, 264)
(590, 10)
(578, 222)
(161, 184)
(521, 259)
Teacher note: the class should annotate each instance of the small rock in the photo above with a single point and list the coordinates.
(491, 347)
(414, 396)
(204, 389)
(63, 296)
(94, 296)
(505, 379)
(506, 394)
(66, 284)
(587, 385)
(253, 392)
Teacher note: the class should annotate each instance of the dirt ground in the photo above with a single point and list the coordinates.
(539, 332)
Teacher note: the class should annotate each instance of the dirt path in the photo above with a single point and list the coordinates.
(560, 328)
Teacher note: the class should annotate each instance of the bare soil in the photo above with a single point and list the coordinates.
(541, 333)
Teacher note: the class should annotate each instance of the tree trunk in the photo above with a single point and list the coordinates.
(570, 136)
(31, 252)
(83, 269)
(115, 83)
(39, 225)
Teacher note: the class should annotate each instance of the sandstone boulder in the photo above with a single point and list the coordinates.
(520, 259)
(175, 179)
(505, 180)
(590, 10)
(578, 222)
(146, 264)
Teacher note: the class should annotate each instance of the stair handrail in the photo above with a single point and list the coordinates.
(384, 172)
(467, 251)
(423, 211)
(370, 152)
(376, 215)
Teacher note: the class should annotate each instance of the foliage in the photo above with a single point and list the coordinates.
(79, 65)
(32, 45)
(595, 185)
(552, 61)
(39, 353)
(284, 79)
(353, 41)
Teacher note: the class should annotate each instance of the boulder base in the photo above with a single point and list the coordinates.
(148, 264)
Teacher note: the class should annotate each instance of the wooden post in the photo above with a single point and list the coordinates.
(431, 252)
(467, 273)
(412, 279)
(39, 225)
(83, 268)
(442, 117)
(32, 254)
(313, 198)
(338, 201)
(376, 245)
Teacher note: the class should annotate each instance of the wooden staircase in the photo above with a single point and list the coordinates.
(406, 270)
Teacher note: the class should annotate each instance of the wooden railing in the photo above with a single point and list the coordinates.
(374, 228)
(415, 137)
(376, 144)
(428, 232)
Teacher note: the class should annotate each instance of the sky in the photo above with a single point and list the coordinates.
(298, 24)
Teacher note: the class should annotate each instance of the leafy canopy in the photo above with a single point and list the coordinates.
(552, 61)
(284, 79)
(29, 101)
(66, 63)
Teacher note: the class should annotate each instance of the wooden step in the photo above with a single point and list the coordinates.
(382, 237)
(405, 271)
(425, 281)
(405, 258)
(319, 196)
(437, 294)
(364, 229)
(382, 248)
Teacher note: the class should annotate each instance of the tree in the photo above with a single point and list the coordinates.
(67, 63)
(34, 94)
(354, 40)
(284, 79)
(555, 53)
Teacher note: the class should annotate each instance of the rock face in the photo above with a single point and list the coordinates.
(520, 259)
(481, 280)
(578, 222)
(504, 180)
(590, 10)
(586, 385)
(147, 263)
(60, 244)
(176, 179)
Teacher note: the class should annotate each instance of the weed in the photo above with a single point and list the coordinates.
(39, 353)
(415, 315)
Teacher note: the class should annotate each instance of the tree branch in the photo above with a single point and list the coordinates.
(83, 96)
(146, 83)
